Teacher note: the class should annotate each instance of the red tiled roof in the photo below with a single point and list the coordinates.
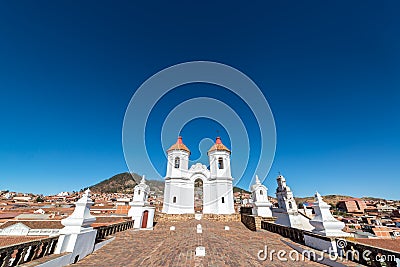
(9, 215)
(13, 240)
(219, 146)
(111, 219)
(179, 145)
(35, 224)
(103, 207)
(391, 244)
(107, 220)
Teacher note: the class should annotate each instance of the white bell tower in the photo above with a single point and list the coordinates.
(141, 212)
(285, 196)
(178, 159)
(220, 160)
(287, 214)
(141, 192)
(259, 196)
(221, 189)
(178, 193)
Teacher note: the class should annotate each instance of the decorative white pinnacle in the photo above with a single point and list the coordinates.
(257, 180)
(80, 217)
(318, 198)
(143, 181)
(87, 193)
(324, 223)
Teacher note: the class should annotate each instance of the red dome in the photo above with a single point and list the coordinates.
(179, 145)
(219, 146)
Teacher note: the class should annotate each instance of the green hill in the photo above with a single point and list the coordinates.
(330, 199)
(238, 189)
(120, 183)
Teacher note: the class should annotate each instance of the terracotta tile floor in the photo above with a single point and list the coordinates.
(162, 247)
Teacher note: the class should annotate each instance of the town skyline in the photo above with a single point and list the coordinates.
(271, 192)
(329, 74)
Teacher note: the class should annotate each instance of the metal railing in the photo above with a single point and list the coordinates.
(294, 234)
(18, 254)
(104, 231)
(349, 250)
(368, 255)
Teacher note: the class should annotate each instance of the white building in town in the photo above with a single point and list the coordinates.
(30, 228)
(180, 180)
(63, 194)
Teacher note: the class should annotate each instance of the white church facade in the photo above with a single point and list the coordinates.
(217, 193)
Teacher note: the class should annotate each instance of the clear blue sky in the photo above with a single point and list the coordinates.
(330, 72)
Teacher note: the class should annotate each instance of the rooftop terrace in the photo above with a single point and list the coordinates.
(162, 247)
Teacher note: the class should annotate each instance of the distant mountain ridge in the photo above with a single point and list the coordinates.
(334, 199)
(124, 183)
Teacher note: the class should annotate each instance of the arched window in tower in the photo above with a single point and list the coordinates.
(174, 200)
(220, 163)
(290, 205)
(261, 192)
(223, 200)
(177, 162)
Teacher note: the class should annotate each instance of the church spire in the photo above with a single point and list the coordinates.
(218, 146)
(179, 145)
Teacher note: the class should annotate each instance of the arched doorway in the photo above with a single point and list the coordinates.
(198, 196)
(144, 218)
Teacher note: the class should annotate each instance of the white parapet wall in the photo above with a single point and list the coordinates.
(67, 259)
(327, 245)
(80, 245)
